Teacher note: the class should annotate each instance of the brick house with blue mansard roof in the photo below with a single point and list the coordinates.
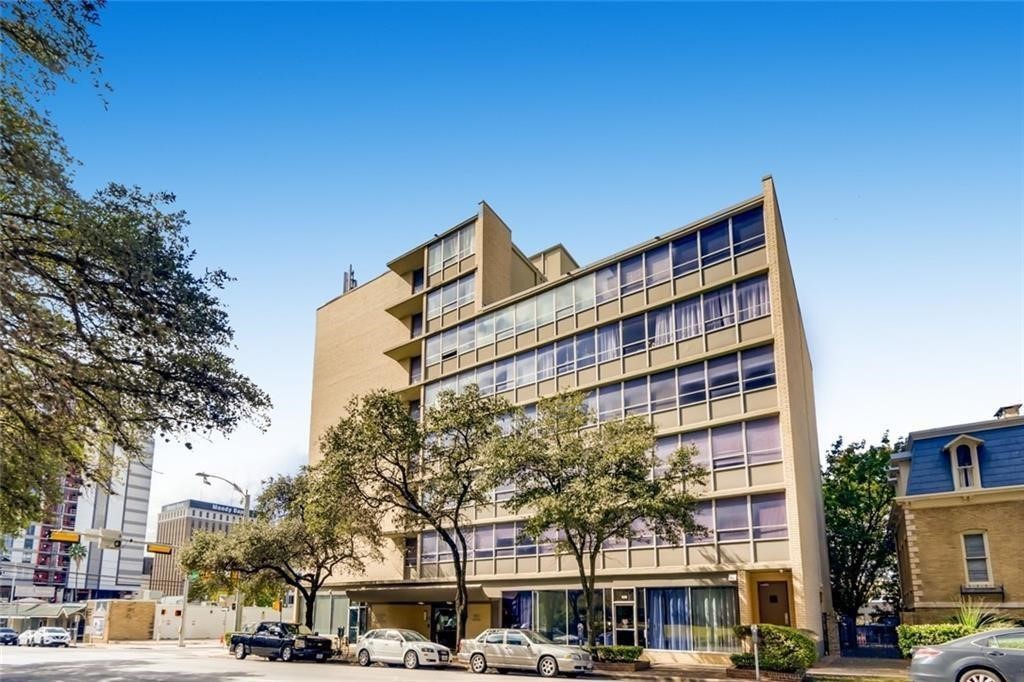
(959, 517)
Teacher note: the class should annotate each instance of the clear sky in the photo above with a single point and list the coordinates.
(304, 137)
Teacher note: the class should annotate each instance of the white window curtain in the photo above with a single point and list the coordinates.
(688, 319)
(608, 347)
(718, 309)
(752, 299)
(546, 363)
(659, 326)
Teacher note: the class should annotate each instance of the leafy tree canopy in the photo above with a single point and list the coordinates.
(108, 331)
(858, 500)
(301, 534)
(417, 476)
(587, 485)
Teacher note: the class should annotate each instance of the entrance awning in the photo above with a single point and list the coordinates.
(403, 593)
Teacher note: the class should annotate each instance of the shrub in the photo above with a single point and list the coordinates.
(779, 649)
(617, 654)
(977, 615)
(910, 636)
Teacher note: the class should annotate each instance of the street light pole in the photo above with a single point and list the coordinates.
(245, 517)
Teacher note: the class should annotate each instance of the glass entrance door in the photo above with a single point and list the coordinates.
(442, 625)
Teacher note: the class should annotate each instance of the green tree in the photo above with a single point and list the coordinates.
(591, 485)
(858, 500)
(422, 476)
(302, 532)
(109, 333)
(260, 589)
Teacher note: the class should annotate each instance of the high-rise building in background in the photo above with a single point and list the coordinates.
(45, 569)
(697, 329)
(175, 525)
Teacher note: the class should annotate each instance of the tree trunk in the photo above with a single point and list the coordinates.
(461, 602)
(587, 583)
(310, 598)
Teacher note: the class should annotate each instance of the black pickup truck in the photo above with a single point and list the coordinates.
(285, 641)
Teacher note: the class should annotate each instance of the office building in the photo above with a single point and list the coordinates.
(698, 329)
(175, 525)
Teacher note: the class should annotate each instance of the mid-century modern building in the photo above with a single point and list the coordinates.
(959, 518)
(175, 525)
(697, 329)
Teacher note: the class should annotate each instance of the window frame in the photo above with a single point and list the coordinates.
(989, 578)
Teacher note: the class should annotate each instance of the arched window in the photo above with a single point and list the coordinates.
(963, 454)
(965, 466)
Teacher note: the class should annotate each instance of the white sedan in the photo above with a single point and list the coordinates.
(408, 647)
(49, 636)
(25, 638)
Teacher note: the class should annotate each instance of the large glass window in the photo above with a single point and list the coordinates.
(583, 290)
(584, 350)
(433, 350)
(758, 368)
(450, 343)
(976, 556)
(631, 274)
(763, 441)
(609, 402)
(503, 323)
(634, 396)
(563, 301)
(692, 388)
(659, 326)
(704, 517)
(698, 441)
(731, 519)
(467, 337)
(564, 356)
(526, 368)
(517, 609)
(483, 542)
(663, 391)
(723, 376)
(664, 448)
(545, 308)
(748, 230)
(608, 342)
(634, 337)
(752, 298)
(684, 255)
(485, 379)
(485, 331)
(727, 446)
(768, 515)
(551, 614)
(545, 362)
(607, 283)
(714, 244)
(718, 311)
(434, 260)
(504, 539)
(503, 376)
(692, 618)
(658, 265)
(687, 315)
(526, 318)
(466, 286)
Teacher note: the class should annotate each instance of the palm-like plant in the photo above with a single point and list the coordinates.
(77, 554)
(977, 615)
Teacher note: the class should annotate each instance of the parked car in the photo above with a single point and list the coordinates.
(407, 647)
(990, 656)
(50, 636)
(8, 636)
(25, 638)
(515, 649)
(285, 641)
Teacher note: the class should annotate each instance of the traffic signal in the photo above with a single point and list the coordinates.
(158, 549)
(63, 536)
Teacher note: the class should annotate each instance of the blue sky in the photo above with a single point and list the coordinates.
(304, 137)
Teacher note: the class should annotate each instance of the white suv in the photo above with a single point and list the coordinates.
(51, 637)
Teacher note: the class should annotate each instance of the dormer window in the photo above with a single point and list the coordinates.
(963, 453)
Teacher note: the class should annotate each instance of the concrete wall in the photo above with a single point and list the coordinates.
(204, 622)
(119, 620)
(351, 333)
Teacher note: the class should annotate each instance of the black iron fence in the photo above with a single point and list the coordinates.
(874, 640)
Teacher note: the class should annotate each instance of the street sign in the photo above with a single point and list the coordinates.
(63, 536)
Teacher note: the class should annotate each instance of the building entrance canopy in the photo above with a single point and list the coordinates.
(403, 593)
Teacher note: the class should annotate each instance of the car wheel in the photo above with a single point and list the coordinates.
(478, 664)
(979, 675)
(547, 667)
(364, 657)
(411, 660)
(240, 651)
(286, 653)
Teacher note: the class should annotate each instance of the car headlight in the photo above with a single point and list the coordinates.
(575, 657)
(428, 650)
(300, 643)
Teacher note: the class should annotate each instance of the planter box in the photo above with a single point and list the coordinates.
(748, 674)
(631, 666)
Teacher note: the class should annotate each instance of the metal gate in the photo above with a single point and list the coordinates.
(867, 641)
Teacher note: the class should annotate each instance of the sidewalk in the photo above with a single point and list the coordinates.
(837, 667)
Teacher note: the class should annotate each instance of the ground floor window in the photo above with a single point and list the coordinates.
(330, 614)
(692, 618)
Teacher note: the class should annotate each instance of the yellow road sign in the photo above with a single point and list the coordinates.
(64, 536)
(158, 549)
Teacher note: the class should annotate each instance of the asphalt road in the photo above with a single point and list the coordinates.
(167, 663)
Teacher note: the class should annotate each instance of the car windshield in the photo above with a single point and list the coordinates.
(412, 636)
(536, 637)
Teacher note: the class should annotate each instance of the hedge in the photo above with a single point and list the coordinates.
(617, 654)
(910, 636)
(779, 648)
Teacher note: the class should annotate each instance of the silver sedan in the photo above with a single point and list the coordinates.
(407, 647)
(989, 656)
(515, 649)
